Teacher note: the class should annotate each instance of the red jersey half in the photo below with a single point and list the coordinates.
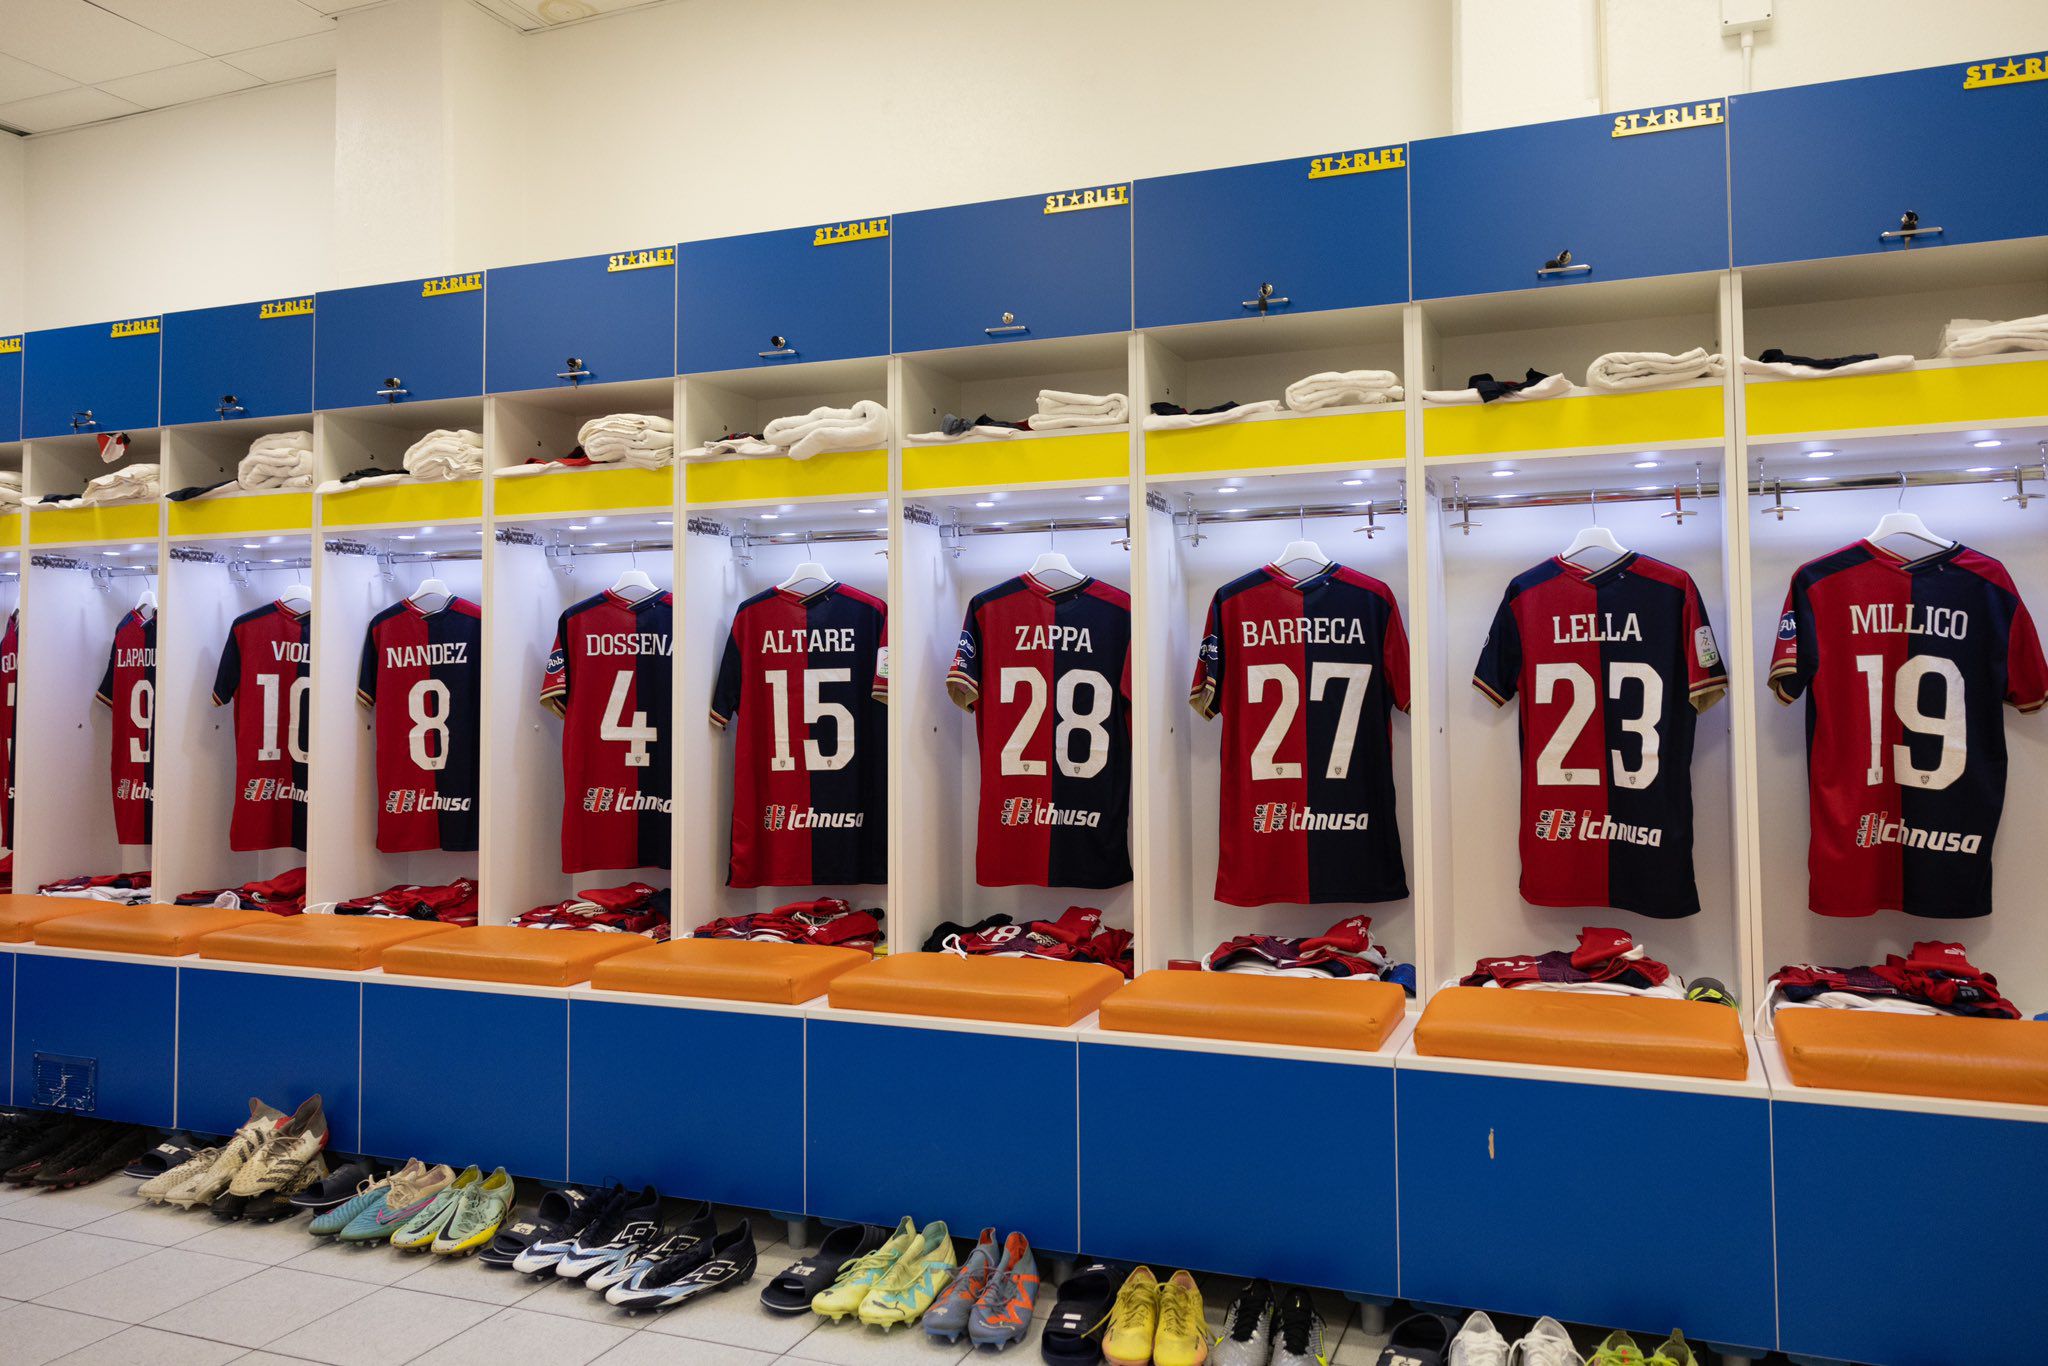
(10, 676)
(807, 679)
(128, 689)
(1047, 674)
(421, 677)
(1306, 675)
(266, 671)
(1903, 664)
(610, 678)
(1613, 666)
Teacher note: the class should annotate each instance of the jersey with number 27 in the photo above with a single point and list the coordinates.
(421, 677)
(265, 670)
(610, 677)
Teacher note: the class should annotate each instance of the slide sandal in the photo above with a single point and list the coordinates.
(793, 1290)
(1072, 1330)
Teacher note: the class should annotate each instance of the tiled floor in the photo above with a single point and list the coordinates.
(98, 1276)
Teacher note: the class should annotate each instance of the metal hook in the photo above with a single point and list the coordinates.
(1902, 489)
(1371, 528)
(1464, 524)
(2019, 482)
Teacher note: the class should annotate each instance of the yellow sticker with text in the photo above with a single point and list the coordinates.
(2011, 71)
(451, 284)
(1357, 163)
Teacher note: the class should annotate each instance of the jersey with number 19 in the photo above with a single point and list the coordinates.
(421, 677)
(128, 690)
(266, 671)
(610, 678)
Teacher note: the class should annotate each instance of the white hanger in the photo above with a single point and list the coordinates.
(297, 595)
(1594, 538)
(1900, 522)
(1301, 551)
(633, 585)
(1053, 569)
(146, 604)
(431, 596)
(809, 572)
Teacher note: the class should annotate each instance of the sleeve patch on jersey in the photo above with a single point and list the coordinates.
(1788, 626)
(882, 663)
(1705, 650)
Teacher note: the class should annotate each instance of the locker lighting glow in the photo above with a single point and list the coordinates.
(984, 505)
(1228, 488)
(1987, 444)
(595, 521)
(1351, 483)
(1819, 455)
(578, 526)
(1981, 469)
(1236, 510)
(664, 522)
(865, 512)
(403, 536)
(252, 545)
(1644, 465)
(998, 523)
(1091, 497)
(770, 516)
(1503, 474)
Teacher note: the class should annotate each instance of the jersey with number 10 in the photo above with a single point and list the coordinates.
(265, 670)
(610, 678)
(1306, 674)
(1904, 664)
(421, 677)
(128, 690)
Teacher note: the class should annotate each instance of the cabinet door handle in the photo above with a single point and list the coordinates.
(228, 405)
(1006, 330)
(393, 390)
(1562, 264)
(1267, 299)
(575, 374)
(1908, 229)
(83, 421)
(779, 348)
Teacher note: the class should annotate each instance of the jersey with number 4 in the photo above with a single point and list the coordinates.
(1047, 674)
(128, 690)
(1306, 675)
(266, 671)
(807, 679)
(421, 677)
(1903, 664)
(610, 679)
(1613, 666)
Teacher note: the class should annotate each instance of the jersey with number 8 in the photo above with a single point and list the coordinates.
(611, 678)
(421, 677)
(1903, 664)
(1306, 675)
(265, 670)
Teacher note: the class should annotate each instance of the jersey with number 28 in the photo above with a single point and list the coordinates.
(421, 677)
(265, 670)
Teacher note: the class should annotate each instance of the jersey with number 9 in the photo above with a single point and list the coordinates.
(421, 677)
(128, 690)
(266, 671)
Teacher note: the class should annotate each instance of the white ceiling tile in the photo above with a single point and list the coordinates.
(287, 61)
(65, 109)
(217, 26)
(177, 84)
(21, 81)
(83, 42)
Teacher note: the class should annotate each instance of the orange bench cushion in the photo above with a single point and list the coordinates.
(509, 953)
(1237, 1005)
(1558, 1029)
(728, 970)
(19, 915)
(1016, 990)
(348, 942)
(167, 931)
(1916, 1055)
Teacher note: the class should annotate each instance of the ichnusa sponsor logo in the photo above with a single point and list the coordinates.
(1877, 828)
(1560, 824)
(602, 799)
(404, 801)
(1271, 818)
(781, 816)
(1033, 812)
(271, 790)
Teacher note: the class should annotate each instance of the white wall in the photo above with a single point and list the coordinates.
(13, 228)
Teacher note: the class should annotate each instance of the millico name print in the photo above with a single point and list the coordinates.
(1896, 619)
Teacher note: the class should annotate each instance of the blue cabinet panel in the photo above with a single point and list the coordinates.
(466, 1076)
(824, 291)
(1342, 1237)
(1823, 170)
(101, 377)
(616, 315)
(118, 1021)
(1058, 270)
(222, 1061)
(1510, 1202)
(7, 971)
(1491, 208)
(933, 1168)
(1850, 1292)
(10, 388)
(1322, 234)
(426, 334)
(246, 360)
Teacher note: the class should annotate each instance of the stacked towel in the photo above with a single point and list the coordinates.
(1549, 386)
(1057, 408)
(1802, 368)
(741, 443)
(640, 439)
(282, 460)
(10, 489)
(1653, 369)
(444, 454)
(1206, 417)
(128, 484)
(955, 430)
(1332, 387)
(863, 426)
(1981, 337)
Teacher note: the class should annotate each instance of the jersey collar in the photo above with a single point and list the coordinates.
(1046, 590)
(632, 604)
(1605, 571)
(1894, 560)
(294, 613)
(1301, 585)
(811, 596)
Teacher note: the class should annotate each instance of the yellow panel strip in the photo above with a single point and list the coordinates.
(586, 490)
(1905, 398)
(1018, 463)
(215, 516)
(1654, 418)
(835, 474)
(404, 504)
(10, 529)
(1333, 439)
(129, 522)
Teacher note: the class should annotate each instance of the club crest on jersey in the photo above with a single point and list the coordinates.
(1877, 828)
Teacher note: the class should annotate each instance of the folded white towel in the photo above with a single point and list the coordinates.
(864, 425)
(282, 460)
(964, 434)
(445, 454)
(627, 424)
(1332, 387)
(125, 485)
(1653, 369)
(1982, 337)
(641, 439)
(282, 441)
(1550, 386)
(1167, 422)
(1058, 408)
(730, 445)
(1785, 370)
(10, 498)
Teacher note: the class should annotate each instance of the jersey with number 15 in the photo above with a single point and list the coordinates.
(265, 670)
(421, 677)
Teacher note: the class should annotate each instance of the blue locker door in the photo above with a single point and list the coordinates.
(10, 388)
(246, 360)
(1058, 264)
(1324, 232)
(99, 1037)
(101, 377)
(222, 1061)
(615, 315)
(1490, 209)
(1825, 170)
(426, 334)
(823, 291)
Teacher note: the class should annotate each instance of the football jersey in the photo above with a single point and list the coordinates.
(1047, 674)
(1613, 666)
(807, 678)
(1903, 664)
(421, 677)
(266, 671)
(10, 675)
(1306, 675)
(128, 689)
(610, 678)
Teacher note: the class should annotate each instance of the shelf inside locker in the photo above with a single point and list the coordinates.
(64, 465)
(544, 425)
(1004, 383)
(748, 400)
(365, 438)
(1935, 396)
(201, 455)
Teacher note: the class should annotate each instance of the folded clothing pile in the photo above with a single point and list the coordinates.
(1331, 388)
(281, 460)
(1076, 937)
(1484, 388)
(1783, 365)
(444, 454)
(862, 427)
(451, 903)
(827, 921)
(1058, 408)
(123, 889)
(1346, 950)
(639, 439)
(130, 483)
(1621, 370)
(635, 908)
(1934, 979)
(1982, 337)
(953, 427)
(10, 489)
(284, 894)
(1606, 962)
(1167, 417)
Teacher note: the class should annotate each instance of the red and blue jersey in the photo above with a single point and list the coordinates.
(1306, 674)
(1903, 664)
(421, 676)
(610, 678)
(266, 671)
(128, 690)
(1613, 666)
(10, 677)
(807, 679)
(1047, 674)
